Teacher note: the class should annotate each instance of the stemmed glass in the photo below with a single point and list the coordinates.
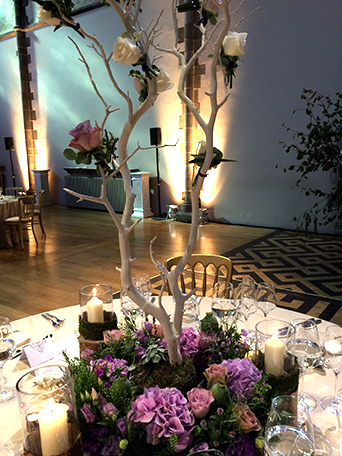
(266, 299)
(223, 303)
(303, 343)
(332, 354)
(143, 284)
(131, 310)
(246, 296)
(7, 347)
(289, 430)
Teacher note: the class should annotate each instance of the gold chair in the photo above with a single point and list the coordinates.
(38, 210)
(13, 191)
(24, 219)
(202, 272)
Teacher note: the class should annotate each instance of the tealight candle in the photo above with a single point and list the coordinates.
(53, 427)
(95, 309)
(274, 355)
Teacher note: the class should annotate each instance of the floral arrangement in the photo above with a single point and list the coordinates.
(130, 401)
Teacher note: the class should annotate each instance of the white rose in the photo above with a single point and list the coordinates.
(234, 43)
(126, 51)
(212, 5)
(163, 81)
(46, 18)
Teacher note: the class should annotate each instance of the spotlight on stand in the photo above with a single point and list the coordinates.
(155, 140)
(9, 145)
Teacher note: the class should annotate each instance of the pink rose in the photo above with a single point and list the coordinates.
(247, 420)
(200, 400)
(86, 138)
(113, 334)
(216, 373)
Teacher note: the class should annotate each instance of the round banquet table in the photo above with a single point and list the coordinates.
(8, 208)
(319, 385)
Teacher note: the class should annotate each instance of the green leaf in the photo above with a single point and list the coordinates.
(70, 154)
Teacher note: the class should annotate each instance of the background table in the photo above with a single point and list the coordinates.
(35, 326)
(8, 208)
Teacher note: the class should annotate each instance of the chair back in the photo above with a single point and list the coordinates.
(26, 208)
(40, 200)
(202, 272)
(13, 191)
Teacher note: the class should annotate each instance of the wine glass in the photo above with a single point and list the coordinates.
(303, 343)
(332, 354)
(143, 284)
(266, 299)
(131, 310)
(289, 430)
(7, 347)
(245, 297)
(223, 304)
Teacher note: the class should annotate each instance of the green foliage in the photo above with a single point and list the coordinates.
(154, 354)
(319, 148)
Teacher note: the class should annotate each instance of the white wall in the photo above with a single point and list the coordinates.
(291, 45)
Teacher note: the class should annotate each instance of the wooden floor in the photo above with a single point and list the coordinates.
(82, 248)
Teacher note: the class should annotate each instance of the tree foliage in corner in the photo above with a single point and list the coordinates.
(319, 148)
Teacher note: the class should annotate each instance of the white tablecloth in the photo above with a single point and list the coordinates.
(36, 327)
(8, 208)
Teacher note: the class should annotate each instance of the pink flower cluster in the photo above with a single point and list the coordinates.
(86, 138)
(167, 412)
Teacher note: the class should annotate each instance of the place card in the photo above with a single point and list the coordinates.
(40, 352)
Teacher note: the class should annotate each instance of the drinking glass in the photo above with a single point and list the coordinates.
(7, 347)
(266, 299)
(131, 310)
(223, 304)
(245, 297)
(289, 430)
(303, 343)
(143, 284)
(332, 354)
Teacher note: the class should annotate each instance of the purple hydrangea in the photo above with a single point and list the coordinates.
(243, 376)
(241, 447)
(108, 365)
(165, 412)
(93, 443)
(112, 446)
(189, 342)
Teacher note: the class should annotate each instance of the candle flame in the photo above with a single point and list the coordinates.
(94, 292)
(51, 403)
(275, 333)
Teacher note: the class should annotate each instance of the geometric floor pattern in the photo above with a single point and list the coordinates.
(310, 267)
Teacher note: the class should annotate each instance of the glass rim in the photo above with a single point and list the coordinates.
(26, 393)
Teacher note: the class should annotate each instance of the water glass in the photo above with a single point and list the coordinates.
(266, 299)
(7, 347)
(289, 430)
(223, 304)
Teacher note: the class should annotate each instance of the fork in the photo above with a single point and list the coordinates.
(58, 320)
(53, 322)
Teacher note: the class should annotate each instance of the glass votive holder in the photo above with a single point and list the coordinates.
(48, 412)
(96, 303)
(270, 343)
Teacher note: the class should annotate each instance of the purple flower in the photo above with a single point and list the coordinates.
(93, 444)
(87, 354)
(189, 342)
(140, 335)
(109, 409)
(166, 412)
(199, 447)
(219, 411)
(122, 426)
(148, 326)
(243, 376)
(140, 352)
(108, 365)
(112, 447)
(241, 447)
(88, 414)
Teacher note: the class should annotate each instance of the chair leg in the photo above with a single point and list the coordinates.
(41, 224)
(34, 234)
(20, 231)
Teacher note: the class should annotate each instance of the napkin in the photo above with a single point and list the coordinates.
(39, 352)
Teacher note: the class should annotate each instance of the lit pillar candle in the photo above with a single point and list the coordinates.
(95, 309)
(53, 428)
(274, 355)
